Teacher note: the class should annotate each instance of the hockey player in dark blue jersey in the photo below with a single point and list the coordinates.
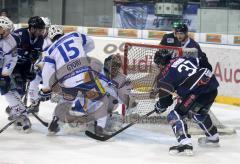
(187, 42)
(28, 51)
(196, 88)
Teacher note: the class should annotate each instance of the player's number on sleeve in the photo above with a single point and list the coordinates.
(188, 67)
(68, 51)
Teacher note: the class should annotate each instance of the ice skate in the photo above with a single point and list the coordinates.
(206, 142)
(23, 124)
(180, 149)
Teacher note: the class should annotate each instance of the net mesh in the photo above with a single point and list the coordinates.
(141, 70)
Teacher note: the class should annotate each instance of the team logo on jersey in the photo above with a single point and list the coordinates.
(170, 40)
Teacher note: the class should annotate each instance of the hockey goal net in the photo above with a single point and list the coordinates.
(141, 70)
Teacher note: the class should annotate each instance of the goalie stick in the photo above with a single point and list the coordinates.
(190, 82)
(107, 137)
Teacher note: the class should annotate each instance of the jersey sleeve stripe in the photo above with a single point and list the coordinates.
(84, 39)
(49, 60)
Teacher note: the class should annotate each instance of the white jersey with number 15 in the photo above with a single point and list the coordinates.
(69, 47)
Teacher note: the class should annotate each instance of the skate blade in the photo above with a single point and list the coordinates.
(184, 153)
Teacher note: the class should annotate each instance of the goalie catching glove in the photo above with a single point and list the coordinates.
(45, 95)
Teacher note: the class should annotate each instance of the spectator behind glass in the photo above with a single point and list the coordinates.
(4, 13)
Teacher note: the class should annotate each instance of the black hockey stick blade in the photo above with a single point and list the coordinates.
(107, 137)
(6, 126)
(97, 137)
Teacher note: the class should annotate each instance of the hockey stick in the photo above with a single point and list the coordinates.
(39, 119)
(7, 125)
(107, 137)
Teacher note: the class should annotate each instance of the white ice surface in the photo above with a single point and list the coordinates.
(137, 145)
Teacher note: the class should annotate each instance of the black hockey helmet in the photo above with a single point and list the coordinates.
(162, 57)
(36, 22)
(182, 28)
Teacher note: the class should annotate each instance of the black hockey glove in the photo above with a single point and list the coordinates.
(34, 55)
(159, 108)
(45, 96)
(31, 75)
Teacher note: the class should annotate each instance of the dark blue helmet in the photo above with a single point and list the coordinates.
(36, 22)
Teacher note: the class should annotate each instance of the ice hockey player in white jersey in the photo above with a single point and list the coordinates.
(66, 65)
(34, 84)
(8, 60)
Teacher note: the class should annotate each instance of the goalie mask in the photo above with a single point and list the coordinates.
(112, 66)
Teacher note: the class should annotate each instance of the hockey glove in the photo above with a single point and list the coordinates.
(45, 96)
(159, 109)
(30, 76)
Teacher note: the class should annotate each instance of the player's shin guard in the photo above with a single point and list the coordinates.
(179, 127)
(205, 123)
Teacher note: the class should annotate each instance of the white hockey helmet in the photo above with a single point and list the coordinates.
(47, 21)
(55, 30)
(6, 23)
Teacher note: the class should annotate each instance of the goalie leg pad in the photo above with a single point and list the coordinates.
(205, 123)
(179, 126)
(63, 108)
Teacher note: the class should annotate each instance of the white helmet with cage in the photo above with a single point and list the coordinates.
(47, 21)
(55, 30)
(6, 23)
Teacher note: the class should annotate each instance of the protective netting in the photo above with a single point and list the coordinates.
(141, 70)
